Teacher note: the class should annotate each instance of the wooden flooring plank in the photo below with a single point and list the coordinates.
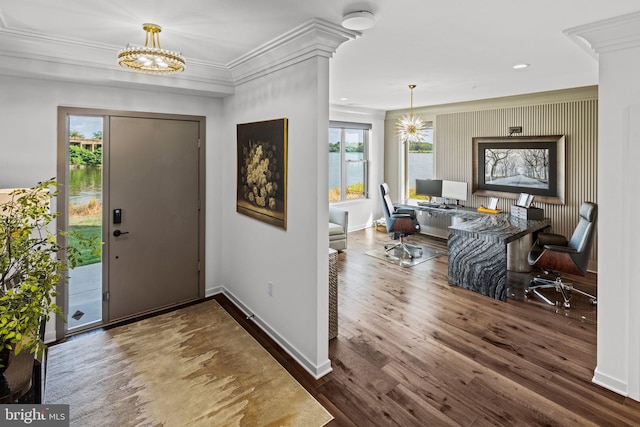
(413, 350)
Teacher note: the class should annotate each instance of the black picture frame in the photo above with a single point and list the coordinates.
(507, 166)
(261, 189)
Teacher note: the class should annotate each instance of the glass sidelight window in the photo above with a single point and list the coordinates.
(85, 217)
(348, 160)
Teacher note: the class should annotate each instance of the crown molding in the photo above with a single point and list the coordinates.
(37, 55)
(315, 37)
(53, 68)
(513, 101)
(608, 35)
(356, 111)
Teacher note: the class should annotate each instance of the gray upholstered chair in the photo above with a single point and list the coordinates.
(338, 228)
(553, 254)
(400, 223)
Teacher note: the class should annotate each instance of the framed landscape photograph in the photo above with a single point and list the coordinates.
(508, 166)
(262, 171)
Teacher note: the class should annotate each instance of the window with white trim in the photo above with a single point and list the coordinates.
(419, 162)
(348, 160)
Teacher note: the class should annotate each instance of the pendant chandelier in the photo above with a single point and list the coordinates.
(411, 128)
(151, 58)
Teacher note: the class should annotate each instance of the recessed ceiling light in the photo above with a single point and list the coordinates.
(344, 99)
(359, 20)
(520, 66)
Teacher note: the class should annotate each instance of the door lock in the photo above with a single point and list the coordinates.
(117, 216)
(118, 232)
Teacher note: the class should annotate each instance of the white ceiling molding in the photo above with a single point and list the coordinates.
(315, 37)
(354, 110)
(466, 63)
(98, 75)
(30, 54)
(608, 35)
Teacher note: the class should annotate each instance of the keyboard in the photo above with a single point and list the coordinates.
(429, 205)
(435, 205)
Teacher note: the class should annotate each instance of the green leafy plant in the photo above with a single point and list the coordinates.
(31, 265)
(82, 156)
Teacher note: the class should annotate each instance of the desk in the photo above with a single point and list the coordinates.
(436, 221)
(478, 251)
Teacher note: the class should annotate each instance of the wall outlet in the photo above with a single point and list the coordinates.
(270, 289)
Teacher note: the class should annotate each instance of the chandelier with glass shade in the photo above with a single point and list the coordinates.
(411, 128)
(151, 58)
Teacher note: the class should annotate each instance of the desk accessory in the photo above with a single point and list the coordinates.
(493, 203)
(527, 212)
(487, 210)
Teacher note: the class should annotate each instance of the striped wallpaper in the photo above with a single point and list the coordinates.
(576, 119)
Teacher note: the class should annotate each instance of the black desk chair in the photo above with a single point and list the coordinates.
(554, 254)
(400, 223)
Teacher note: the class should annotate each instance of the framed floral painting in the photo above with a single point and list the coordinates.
(262, 171)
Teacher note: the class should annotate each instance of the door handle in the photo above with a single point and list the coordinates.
(118, 232)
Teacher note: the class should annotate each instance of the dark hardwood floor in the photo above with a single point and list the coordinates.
(413, 350)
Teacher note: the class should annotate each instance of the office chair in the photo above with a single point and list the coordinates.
(400, 222)
(554, 254)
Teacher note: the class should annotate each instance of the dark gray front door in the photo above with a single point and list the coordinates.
(154, 182)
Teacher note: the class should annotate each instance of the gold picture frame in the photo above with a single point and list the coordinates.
(261, 190)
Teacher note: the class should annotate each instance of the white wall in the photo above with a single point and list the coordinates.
(294, 260)
(28, 137)
(286, 77)
(618, 299)
(363, 212)
(617, 43)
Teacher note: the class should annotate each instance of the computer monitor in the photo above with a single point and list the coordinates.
(429, 187)
(454, 190)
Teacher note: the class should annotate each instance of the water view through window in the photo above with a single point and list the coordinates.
(348, 162)
(420, 167)
(85, 217)
(419, 162)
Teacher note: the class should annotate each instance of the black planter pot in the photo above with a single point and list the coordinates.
(5, 356)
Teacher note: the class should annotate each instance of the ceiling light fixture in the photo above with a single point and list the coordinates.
(359, 20)
(520, 66)
(412, 128)
(151, 58)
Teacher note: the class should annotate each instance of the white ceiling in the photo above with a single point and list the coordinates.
(453, 50)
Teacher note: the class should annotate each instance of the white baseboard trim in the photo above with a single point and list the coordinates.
(316, 371)
(610, 383)
(214, 291)
(360, 227)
